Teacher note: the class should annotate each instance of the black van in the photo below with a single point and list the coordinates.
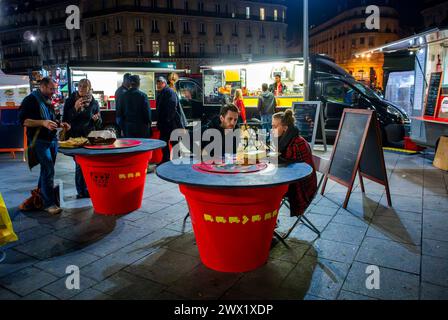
(330, 84)
(338, 90)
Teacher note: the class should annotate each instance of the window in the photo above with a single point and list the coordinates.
(202, 28)
(186, 27)
(138, 24)
(155, 26)
(92, 30)
(371, 41)
(186, 5)
(218, 48)
(362, 41)
(353, 43)
(120, 47)
(262, 34)
(218, 29)
(337, 91)
(156, 48)
(249, 31)
(104, 28)
(171, 48)
(262, 49)
(201, 6)
(154, 3)
(139, 45)
(217, 8)
(189, 91)
(169, 4)
(249, 49)
(202, 48)
(275, 14)
(262, 14)
(235, 29)
(283, 15)
(276, 34)
(234, 49)
(170, 26)
(187, 48)
(247, 12)
(118, 25)
(137, 3)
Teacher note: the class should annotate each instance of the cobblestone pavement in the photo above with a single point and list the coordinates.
(149, 254)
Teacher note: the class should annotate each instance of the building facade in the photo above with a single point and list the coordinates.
(435, 13)
(346, 34)
(188, 32)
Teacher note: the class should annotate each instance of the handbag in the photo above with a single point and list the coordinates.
(30, 153)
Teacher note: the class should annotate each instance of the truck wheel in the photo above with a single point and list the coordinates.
(113, 128)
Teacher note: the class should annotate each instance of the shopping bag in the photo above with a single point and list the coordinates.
(30, 152)
(7, 234)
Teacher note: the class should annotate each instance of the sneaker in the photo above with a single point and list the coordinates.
(53, 210)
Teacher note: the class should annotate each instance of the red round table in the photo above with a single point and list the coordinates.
(233, 215)
(115, 178)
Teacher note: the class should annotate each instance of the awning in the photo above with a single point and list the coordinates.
(413, 43)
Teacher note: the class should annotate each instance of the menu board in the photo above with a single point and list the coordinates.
(358, 147)
(348, 146)
(432, 97)
(13, 97)
(307, 119)
(212, 81)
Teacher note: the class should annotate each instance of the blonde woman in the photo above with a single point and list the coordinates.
(172, 79)
(239, 102)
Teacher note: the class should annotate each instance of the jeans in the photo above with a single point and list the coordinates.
(266, 120)
(46, 152)
(81, 186)
(166, 154)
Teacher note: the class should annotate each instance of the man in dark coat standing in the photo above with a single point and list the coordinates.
(135, 112)
(120, 91)
(167, 118)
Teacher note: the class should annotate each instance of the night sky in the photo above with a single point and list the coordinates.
(322, 10)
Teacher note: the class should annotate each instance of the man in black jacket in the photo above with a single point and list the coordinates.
(167, 118)
(135, 112)
(120, 91)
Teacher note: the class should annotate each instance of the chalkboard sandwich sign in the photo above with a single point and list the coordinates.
(358, 149)
(432, 97)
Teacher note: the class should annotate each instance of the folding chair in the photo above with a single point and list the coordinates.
(321, 166)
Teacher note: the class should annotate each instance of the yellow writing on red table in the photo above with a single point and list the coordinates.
(245, 219)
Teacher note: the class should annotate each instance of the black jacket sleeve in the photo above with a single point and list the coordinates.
(69, 110)
(96, 109)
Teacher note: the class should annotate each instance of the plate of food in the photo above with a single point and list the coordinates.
(102, 138)
(73, 142)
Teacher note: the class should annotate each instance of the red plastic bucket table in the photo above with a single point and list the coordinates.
(115, 182)
(233, 215)
(234, 227)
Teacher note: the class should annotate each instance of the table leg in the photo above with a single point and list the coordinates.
(115, 182)
(234, 227)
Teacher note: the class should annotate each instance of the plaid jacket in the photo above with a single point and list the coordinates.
(300, 194)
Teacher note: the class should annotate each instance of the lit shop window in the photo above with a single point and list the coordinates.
(262, 14)
(275, 14)
(156, 48)
(247, 12)
(283, 15)
(171, 48)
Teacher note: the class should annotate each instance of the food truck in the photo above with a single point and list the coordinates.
(221, 80)
(13, 89)
(106, 77)
(421, 87)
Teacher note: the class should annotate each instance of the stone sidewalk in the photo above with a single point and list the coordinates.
(149, 254)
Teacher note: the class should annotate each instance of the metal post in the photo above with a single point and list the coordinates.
(306, 50)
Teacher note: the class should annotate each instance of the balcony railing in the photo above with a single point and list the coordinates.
(189, 12)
